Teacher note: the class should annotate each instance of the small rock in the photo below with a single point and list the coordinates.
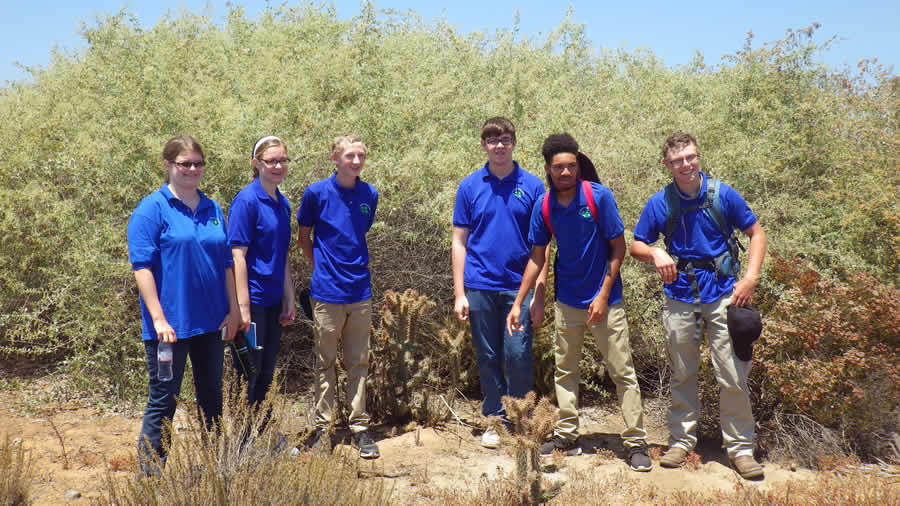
(793, 467)
(72, 494)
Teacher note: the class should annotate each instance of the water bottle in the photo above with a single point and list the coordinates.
(164, 361)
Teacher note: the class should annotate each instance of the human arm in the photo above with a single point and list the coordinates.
(599, 307)
(458, 261)
(232, 320)
(539, 298)
(647, 254)
(743, 289)
(288, 309)
(242, 291)
(304, 241)
(536, 263)
(147, 288)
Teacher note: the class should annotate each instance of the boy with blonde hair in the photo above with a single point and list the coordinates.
(334, 216)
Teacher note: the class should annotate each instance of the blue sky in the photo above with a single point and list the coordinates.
(867, 28)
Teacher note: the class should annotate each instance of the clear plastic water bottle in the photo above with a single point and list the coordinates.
(164, 361)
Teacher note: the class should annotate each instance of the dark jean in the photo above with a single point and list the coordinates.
(268, 335)
(206, 351)
(505, 364)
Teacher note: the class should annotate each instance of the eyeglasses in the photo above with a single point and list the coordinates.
(189, 164)
(681, 161)
(272, 163)
(557, 169)
(506, 140)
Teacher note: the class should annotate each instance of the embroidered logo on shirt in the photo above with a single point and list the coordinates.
(364, 208)
(518, 193)
(216, 222)
(585, 212)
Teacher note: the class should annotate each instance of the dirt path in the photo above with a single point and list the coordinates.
(417, 461)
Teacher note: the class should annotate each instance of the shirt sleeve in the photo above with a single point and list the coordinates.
(651, 221)
(737, 212)
(241, 222)
(374, 207)
(308, 210)
(461, 215)
(538, 233)
(610, 221)
(144, 229)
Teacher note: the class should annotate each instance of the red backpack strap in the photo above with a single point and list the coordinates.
(589, 197)
(545, 211)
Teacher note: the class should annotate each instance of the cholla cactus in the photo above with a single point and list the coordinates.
(532, 421)
(401, 369)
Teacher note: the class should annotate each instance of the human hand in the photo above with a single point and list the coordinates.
(665, 266)
(231, 323)
(461, 308)
(164, 332)
(598, 309)
(537, 309)
(743, 292)
(512, 319)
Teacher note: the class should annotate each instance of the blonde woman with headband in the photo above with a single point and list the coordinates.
(259, 231)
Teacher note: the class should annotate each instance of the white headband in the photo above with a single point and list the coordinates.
(264, 139)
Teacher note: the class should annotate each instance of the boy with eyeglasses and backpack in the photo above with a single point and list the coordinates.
(699, 270)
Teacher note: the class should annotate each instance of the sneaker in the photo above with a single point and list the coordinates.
(747, 467)
(569, 447)
(490, 439)
(367, 447)
(638, 460)
(674, 457)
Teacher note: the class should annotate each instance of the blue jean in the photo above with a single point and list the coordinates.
(505, 363)
(268, 335)
(206, 351)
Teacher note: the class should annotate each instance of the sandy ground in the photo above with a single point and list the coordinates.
(75, 446)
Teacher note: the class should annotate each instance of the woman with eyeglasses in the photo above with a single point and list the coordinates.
(259, 226)
(178, 249)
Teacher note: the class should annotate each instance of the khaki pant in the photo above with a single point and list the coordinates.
(349, 323)
(683, 339)
(612, 339)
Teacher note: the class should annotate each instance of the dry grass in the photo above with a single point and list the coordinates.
(245, 460)
(15, 473)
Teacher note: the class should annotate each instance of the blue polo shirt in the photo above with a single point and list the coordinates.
(583, 244)
(187, 252)
(263, 225)
(696, 236)
(340, 218)
(496, 212)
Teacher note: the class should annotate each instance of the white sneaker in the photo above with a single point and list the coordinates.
(490, 439)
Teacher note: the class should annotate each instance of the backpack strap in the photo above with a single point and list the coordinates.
(589, 197)
(545, 211)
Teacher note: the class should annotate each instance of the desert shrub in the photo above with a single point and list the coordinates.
(245, 459)
(831, 352)
(813, 150)
(15, 473)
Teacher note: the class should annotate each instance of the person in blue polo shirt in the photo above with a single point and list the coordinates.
(334, 216)
(178, 248)
(696, 241)
(591, 248)
(259, 228)
(489, 253)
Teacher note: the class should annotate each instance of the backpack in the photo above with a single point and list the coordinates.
(726, 264)
(588, 196)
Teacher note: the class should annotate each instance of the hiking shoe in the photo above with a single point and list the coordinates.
(490, 439)
(747, 467)
(638, 460)
(674, 457)
(568, 447)
(366, 445)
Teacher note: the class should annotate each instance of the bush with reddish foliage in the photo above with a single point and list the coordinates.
(829, 351)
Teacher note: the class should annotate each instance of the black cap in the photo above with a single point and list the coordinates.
(744, 326)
